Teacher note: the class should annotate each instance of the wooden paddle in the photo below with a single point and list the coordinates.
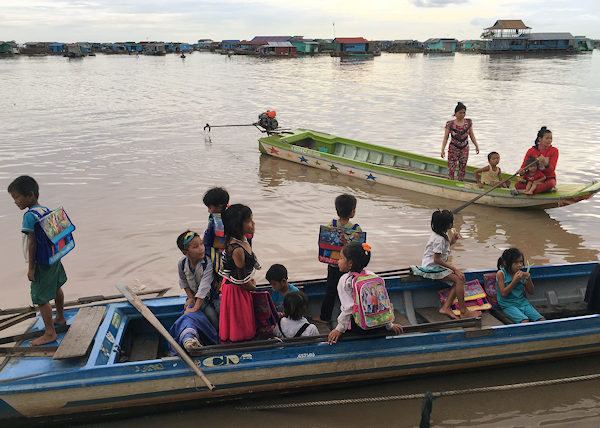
(147, 313)
(495, 186)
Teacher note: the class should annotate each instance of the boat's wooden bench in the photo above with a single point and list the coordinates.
(79, 337)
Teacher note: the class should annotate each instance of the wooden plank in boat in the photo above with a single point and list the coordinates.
(80, 336)
(28, 351)
(497, 312)
(401, 319)
(144, 347)
(431, 314)
(488, 320)
(31, 335)
(15, 319)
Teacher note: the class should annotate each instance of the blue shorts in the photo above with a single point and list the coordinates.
(522, 313)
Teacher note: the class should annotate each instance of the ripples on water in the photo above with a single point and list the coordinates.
(118, 141)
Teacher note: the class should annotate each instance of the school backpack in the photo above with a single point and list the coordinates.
(53, 233)
(333, 238)
(219, 230)
(372, 306)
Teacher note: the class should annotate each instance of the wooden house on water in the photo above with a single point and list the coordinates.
(472, 45)
(440, 45)
(278, 49)
(353, 46)
(8, 48)
(305, 46)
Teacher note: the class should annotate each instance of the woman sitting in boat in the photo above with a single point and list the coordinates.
(237, 321)
(547, 156)
(459, 130)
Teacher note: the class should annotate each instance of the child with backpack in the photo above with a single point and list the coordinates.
(345, 206)
(294, 324)
(512, 283)
(216, 200)
(353, 289)
(196, 277)
(46, 276)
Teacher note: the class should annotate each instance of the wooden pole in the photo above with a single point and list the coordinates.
(147, 313)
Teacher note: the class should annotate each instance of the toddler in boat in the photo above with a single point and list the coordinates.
(196, 277)
(294, 324)
(345, 206)
(511, 283)
(490, 174)
(354, 257)
(533, 176)
(277, 276)
(435, 263)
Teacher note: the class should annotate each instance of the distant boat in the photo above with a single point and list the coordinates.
(384, 165)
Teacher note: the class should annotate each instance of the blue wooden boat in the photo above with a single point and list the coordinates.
(127, 365)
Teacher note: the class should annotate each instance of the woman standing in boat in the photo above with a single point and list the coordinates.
(459, 130)
(547, 156)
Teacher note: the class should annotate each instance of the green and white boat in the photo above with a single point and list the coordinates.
(406, 170)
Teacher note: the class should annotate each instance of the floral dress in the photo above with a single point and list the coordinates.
(458, 151)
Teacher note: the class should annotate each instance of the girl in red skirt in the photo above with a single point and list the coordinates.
(236, 320)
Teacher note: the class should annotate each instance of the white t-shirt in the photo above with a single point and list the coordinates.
(290, 327)
(437, 244)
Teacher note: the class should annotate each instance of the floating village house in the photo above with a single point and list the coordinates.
(352, 46)
(512, 35)
(275, 45)
(305, 46)
(229, 45)
(440, 45)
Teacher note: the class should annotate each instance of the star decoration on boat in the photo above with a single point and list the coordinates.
(333, 167)
(274, 150)
(289, 155)
(317, 163)
(351, 172)
(303, 159)
(371, 177)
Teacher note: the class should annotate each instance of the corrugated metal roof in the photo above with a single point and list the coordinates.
(509, 24)
(548, 36)
(266, 39)
(280, 45)
(350, 40)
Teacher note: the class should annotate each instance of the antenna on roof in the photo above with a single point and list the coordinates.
(334, 29)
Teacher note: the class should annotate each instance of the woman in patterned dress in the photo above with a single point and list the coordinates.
(459, 130)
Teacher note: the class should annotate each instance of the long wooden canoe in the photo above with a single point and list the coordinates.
(377, 164)
(118, 362)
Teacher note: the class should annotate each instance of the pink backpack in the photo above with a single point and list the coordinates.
(372, 306)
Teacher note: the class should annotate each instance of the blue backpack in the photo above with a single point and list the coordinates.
(53, 233)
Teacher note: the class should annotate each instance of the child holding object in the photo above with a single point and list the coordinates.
(294, 324)
(277, 276)
(237, 321)
(490, 174)
(533, 176)
(46, 280)
(353, 260)
(435, 263)
(345, 206)
(510, 282)
(196, 277)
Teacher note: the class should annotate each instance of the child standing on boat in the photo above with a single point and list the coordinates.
(459, 130)
(435, 263)
(490, 174)
(46, 280)
(354, 257)
(293, 323)
(216, 200)
(196, 277)
(277, 276)
(510, 283)
(237, 321)
(345, 206)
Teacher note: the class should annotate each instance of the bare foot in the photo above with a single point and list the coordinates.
(60, 321)
(319, 320)
(42, 340)
(448, 311)
(470, 314)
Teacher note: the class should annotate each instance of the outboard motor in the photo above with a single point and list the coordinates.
(267, 121)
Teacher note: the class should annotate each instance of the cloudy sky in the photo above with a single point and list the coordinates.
(189, 20)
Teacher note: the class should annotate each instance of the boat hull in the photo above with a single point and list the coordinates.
(422, 174)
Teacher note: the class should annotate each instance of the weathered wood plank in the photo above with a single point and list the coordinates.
(28, 351)
(144, 347)
(488, 320)
(31, 335)
(432, 314)
(15, 319)
(400, 319)
(80, 336)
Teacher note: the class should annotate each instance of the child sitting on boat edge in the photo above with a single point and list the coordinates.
(491, 174)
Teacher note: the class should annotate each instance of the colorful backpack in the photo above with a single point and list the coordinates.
(53, 235)
(333, 238)
(489, 285)
(264, 312)
(475, 298)
(219, 230)
(372, 306)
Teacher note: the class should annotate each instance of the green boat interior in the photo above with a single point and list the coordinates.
(351, 152)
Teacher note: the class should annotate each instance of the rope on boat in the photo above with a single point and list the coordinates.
(427, 395)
